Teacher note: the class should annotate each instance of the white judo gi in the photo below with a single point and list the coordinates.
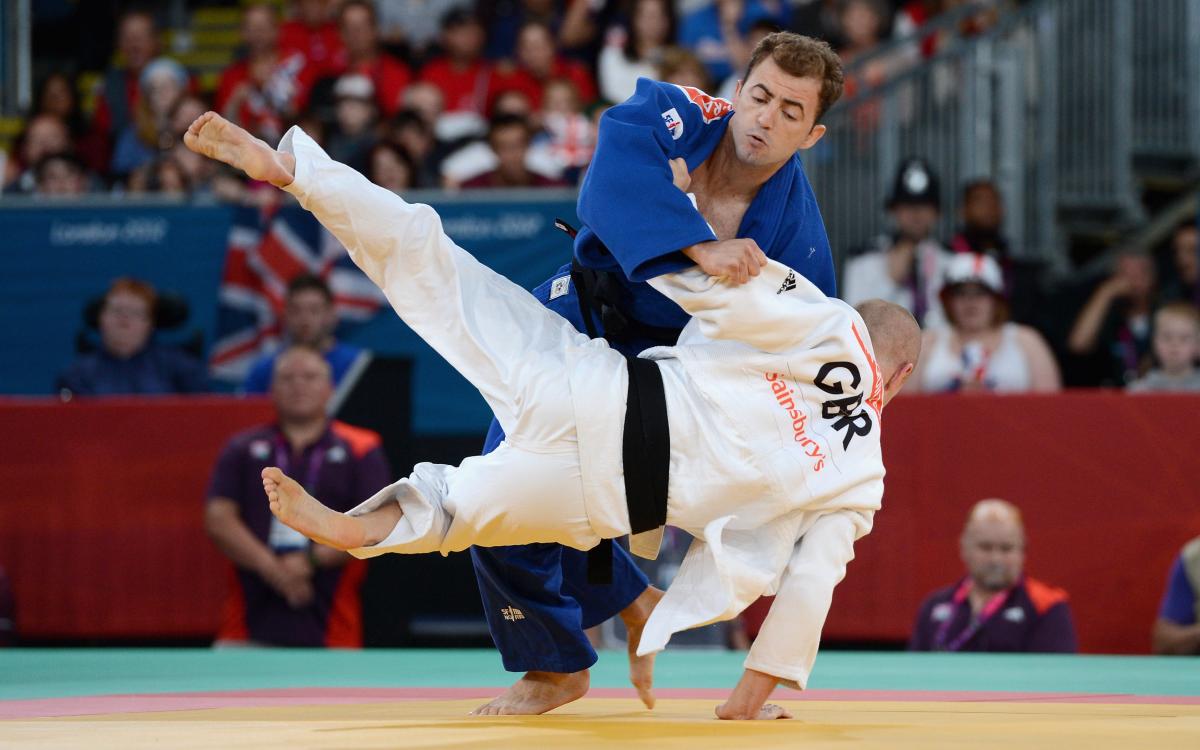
(773, 400)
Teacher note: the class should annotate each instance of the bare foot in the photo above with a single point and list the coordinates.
(769, 711)
(537, 693)
(217, 138)
(301, 511)
(641, 668)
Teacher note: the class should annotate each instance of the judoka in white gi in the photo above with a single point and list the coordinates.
(774, 396)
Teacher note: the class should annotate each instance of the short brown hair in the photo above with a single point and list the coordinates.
(1181, 310)
(803, 57)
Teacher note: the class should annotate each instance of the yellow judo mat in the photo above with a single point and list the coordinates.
(396, 699)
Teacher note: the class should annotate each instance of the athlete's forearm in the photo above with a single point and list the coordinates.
(1174, 639)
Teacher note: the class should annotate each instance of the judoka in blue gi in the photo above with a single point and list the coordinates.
(751, 198)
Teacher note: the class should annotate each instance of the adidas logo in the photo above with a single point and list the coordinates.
(788, 284)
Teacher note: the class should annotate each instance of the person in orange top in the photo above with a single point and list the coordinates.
(462, 75)
(138, 43)
(363, 55)
(260, 91)
(537, 62)
(995, 607)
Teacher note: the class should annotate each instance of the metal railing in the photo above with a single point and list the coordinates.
(1057, 103)
(16, 88)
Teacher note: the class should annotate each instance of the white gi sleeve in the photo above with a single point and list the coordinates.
(786, 646)
(372, 223)
(773, 312)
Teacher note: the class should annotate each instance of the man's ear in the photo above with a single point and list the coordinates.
(814, 135)
(896, 381)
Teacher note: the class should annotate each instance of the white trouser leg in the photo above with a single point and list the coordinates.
(510, 496)
(493, 332)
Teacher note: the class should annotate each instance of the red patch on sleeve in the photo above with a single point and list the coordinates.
(711, 107)
(361, 441)
(1043, 595)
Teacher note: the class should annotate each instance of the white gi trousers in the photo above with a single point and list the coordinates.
(499, 337)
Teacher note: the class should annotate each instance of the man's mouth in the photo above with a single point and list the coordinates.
(757, 139)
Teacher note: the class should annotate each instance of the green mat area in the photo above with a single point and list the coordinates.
(51, 673)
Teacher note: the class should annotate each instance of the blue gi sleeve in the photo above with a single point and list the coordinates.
(628, 198)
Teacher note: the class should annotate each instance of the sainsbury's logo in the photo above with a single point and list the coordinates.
(785, 397)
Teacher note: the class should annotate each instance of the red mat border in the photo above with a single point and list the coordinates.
(151, 702)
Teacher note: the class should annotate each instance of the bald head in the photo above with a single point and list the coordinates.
(993, 544)
(994, 510)
(896, 338)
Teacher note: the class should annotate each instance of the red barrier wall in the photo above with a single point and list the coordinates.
(1107, 484)
(100, 508)
(100, 513)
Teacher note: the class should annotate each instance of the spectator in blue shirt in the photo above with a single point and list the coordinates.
(1177, 630)
(128, 361)
(309, 319)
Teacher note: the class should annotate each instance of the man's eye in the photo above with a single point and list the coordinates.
(760, 100)
(790, 117)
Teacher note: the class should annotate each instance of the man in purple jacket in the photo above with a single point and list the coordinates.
(995, 607)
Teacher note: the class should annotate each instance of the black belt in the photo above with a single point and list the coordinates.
(646, 449)
(599, 292)
(646, 458)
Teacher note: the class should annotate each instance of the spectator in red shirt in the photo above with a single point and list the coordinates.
(137, 44)
(537, 62)
(461, 72)
(509, 137)
(312, 33)
(260, 91)
(363, 55)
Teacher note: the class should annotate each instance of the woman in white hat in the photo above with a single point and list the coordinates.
(980, 350)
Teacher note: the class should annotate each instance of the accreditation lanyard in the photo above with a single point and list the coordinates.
(975, 360)
(960, 596)
(283, 459)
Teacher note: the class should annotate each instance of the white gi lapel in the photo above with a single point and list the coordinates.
(720, 576)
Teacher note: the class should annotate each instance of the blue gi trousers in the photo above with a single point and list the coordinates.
(536, 597)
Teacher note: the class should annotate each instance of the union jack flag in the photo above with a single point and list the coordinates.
(266, 250)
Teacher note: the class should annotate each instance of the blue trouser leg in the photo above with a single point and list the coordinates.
(537, 599)
(548, 582)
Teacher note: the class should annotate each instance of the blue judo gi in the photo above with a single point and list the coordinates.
(536, 597)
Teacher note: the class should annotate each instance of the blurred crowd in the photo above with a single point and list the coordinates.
(995, 322)
(430, 94)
